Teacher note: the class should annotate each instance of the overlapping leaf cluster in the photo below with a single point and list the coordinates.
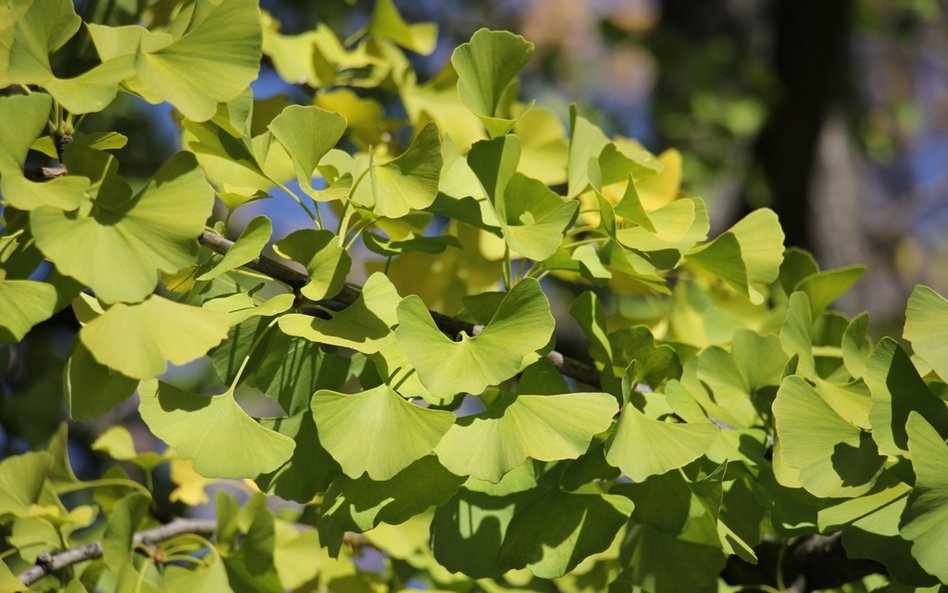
(730, 405)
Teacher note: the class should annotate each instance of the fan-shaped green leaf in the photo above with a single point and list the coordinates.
(543, 427)
(362, 504)
(925, 519)
(748, 255)
(533, 218)
(93, 389)
(21, 481)
(409, 182)
(309, 471)
(117, 443)
(248, 245)
(824, 288)
(156, 231)
(387, 23)
(326, 261)
(376, 432)
(643, 446)
(23, 304)
(926, 326)
(584, 524)
(22, 120)
(586, 141)
(520, 327)
(213, 57)
(307, 133)
(138, 340)
(486, 67)
(834, 457)
(44, 28)
(362, 326)
(213, 431)
(897, 390)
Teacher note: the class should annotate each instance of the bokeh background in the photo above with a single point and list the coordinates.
(832, 112)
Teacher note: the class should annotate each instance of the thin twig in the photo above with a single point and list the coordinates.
(47, 564)
(570, 367)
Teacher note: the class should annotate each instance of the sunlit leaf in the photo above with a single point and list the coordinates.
(22, 120)
(23, 304)
(386, 23)
(139, 340)
(643, 446)
(376, 432)
(213, 58)
(486, 66)
(248, 245)
(897, 391)
(361, 326)
(307, 133)
(834, 457)
(409, 182)
(926, 326)
(320, 253)
(236, 446)
(155, 231)
(543, 427)
(520, 327)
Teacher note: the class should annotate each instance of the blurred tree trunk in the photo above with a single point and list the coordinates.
(811, 63)
(809, 60)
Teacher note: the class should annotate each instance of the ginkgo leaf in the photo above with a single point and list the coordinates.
(23, 304)
(117, 443)
(926, 326)
(307, 133)
(326, 261)
(585, 524)
(22, 120)
(376, 432)
(44, 28)
(362, 504)
(212, 60)
(925, 519)
(532, 217)
(824, 288)
(139, 340)
(156, 231)
(543, 427)
(387, 23)
(21, 481)
(897, 391)
(747, 256)
(643, 446)
(362, 326)
(248, 245)
(834, 457)
(520, 327)
(92, 389)
(586, 141)
(486, 66)
(213, 431)
(409, 182)
(659, 190)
